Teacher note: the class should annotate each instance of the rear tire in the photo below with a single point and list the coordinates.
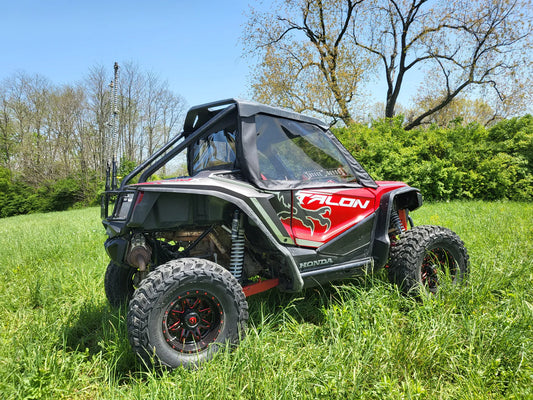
(424, 253)
(184, 311)
(118, 284)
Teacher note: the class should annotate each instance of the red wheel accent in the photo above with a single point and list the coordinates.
(192, 321)
(436, 260)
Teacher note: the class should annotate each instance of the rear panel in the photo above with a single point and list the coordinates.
(159, 211)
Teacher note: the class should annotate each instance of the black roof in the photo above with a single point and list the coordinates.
(199, 118)
(198, 115)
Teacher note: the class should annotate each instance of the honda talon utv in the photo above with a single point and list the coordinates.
(261, 198)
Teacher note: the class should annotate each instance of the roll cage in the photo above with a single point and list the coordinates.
(247, 134)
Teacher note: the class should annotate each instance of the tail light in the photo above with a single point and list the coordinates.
(123, 205)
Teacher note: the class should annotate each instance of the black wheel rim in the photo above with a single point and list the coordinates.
(437, 261)
(192, 321)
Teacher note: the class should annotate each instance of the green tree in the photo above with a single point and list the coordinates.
(7, 134)
(307, 61)
(462, 46)
(315, 54)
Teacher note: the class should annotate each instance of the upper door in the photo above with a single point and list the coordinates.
(319, 215)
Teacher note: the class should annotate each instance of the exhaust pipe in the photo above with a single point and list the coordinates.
(140, 253)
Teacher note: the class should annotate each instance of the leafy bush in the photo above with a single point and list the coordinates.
(449, 163)
(16, 197)
(61, 195)
(125, 167)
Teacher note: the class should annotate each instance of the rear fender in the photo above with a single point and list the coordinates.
(157, 210)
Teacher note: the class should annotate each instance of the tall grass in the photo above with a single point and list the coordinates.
(356, 339)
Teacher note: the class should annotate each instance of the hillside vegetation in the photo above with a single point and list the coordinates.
(59, 339)
(457, 162)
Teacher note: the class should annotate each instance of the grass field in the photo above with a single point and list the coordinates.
(359, 339)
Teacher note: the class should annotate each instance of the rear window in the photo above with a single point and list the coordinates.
(215, 151)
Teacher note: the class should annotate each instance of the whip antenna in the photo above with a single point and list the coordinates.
(113, 127)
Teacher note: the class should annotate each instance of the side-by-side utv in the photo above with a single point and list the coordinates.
(260, 198)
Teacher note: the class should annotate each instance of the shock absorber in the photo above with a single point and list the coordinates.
(395, 222)
(237, 246)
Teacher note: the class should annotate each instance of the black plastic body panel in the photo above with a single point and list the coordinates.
(208, 200)
(116, 249)
(160, 211)
(356, 242)
(336, 272)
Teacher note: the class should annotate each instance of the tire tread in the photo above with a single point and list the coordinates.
(408, 252)
(177, 273)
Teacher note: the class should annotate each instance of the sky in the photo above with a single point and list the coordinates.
(194, 45)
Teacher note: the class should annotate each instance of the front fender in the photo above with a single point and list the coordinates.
(403, 198)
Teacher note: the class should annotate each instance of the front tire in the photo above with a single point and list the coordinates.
(184, 311)
(424, 253)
